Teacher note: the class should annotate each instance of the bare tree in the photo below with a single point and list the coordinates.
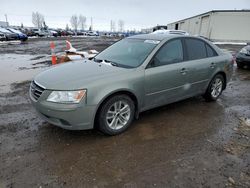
(37, 19)
(112, 26)
(121, 25)
(82, 22)
(74, 22)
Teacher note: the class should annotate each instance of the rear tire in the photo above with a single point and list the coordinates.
(215, 88)
(116, 115)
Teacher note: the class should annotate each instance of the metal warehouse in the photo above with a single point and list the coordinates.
(218, 25)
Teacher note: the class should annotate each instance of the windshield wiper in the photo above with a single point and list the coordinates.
(111, 62)
(106, 61)
(97, 60)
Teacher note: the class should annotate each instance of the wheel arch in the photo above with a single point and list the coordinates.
(114, 93)
(225, 78)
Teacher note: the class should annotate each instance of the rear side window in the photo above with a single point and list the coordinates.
(170, 53)
(196, 49)
(210, 51)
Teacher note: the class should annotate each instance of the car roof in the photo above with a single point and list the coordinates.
(161, 37)
(153, 36)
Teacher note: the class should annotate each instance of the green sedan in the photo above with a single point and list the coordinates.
(133, 75)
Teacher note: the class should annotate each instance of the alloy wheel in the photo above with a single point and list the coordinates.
(216, 87)
(118, 115)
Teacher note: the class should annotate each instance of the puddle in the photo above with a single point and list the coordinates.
(19, 68)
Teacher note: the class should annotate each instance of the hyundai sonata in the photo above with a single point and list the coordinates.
(133, 75)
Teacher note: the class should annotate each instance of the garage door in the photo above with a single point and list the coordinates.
(204, 26)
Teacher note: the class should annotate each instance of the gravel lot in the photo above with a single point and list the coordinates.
(190, 143)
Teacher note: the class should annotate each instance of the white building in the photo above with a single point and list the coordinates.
(218, 25)
(3, 24)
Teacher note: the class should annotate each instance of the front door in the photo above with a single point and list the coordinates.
(165, 75)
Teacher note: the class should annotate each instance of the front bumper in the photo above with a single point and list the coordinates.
(68, 116)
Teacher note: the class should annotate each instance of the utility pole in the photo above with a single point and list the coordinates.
(91, 24)
(6, 19)
(112, 26)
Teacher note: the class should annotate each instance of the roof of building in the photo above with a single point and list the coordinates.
(212, 11)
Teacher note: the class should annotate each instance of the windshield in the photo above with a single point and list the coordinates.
(128, 52)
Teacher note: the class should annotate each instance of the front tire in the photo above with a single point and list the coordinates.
(215, 88)
(116, 115)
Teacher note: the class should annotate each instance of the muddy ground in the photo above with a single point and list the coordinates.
(191, 143)
(38, 46)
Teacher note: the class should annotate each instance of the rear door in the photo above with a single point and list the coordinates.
(201, 64)
(164, 77)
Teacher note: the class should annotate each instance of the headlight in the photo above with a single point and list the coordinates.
(243, 51)
(66, 96)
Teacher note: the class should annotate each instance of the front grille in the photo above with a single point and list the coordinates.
(36, 90)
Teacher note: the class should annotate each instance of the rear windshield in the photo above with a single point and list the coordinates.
(128, 52)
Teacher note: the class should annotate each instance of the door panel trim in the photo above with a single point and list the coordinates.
(157, 92)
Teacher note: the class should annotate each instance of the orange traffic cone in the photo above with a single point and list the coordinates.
(53, 55)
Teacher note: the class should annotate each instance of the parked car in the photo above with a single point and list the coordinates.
(133, 75)
(29, 32)
(9, 35)
(21, 36)
(52, 33)
(243, 57)
(60, 32)
(92, 33)
(69, 33)
(40, 33)
(80, 33)
(2, 37)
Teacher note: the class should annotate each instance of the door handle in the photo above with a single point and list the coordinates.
(183, 71)
(212, 65)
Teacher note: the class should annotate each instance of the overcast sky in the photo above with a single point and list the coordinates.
(136, 14)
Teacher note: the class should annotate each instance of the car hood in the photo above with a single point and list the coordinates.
(76, 75)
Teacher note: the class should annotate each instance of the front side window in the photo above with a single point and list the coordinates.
(196, 49)
(171, 52)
